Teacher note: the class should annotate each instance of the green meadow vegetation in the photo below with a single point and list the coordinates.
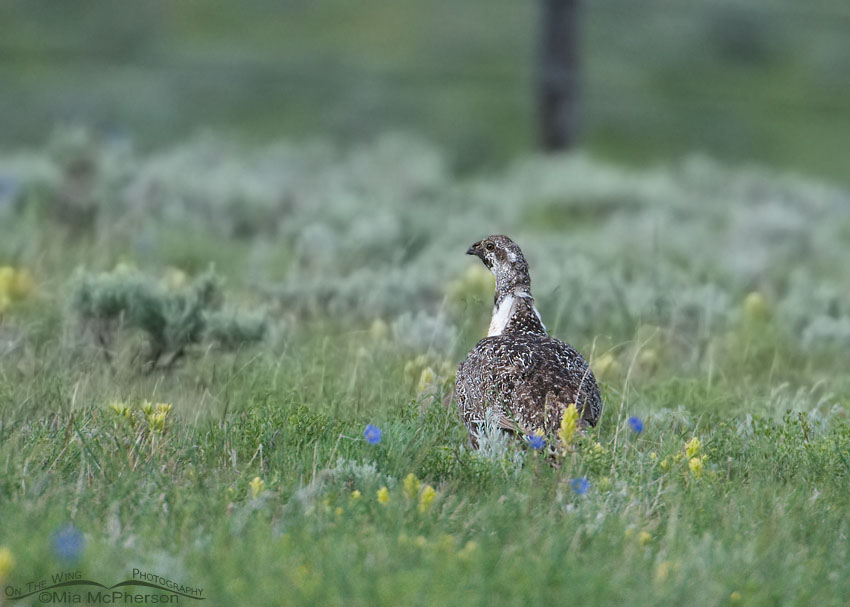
(765, 80)
(194, 341)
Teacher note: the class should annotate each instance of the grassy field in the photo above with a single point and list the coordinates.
(712, 303)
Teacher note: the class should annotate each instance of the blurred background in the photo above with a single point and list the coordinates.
(749, 80)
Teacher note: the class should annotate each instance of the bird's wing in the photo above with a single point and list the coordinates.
(564, 375)
(537, 376)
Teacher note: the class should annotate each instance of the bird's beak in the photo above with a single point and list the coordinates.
(473, 250)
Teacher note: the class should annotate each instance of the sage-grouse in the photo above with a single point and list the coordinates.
(527, 377)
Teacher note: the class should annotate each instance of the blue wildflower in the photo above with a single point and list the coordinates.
(8, 190)
(536, 441)
(636, 424)
(372, 434)
(68, 544)
(580, 485)
(8, 186)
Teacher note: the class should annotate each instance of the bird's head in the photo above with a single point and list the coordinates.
(505, 259)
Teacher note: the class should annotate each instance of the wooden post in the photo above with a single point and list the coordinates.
(557, 74)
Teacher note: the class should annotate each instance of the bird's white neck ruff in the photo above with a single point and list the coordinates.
(503, 312)
(501, 316)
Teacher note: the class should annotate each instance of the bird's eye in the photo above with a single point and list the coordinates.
(489, 246)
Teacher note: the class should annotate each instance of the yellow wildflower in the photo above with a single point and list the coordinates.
(755, 307)
(415, 365)
(156, 415)
(446, 368)
(306, 579)
(156, 422)
(7, 277)
(426, 380)
(664, 569)
(664, 464)
(606, 366)
(445, 543)
(648, 360)
(411, 486)
(355, 495)
(653, 455)
(22, 284)
(120, 408)
(257, 485)
(124, 267)
(175, 279)
(692, 447)
(339, 511)
(383, 495)
(426, 497)
(644, 537)
(695, 465)
(735, 597)
(7, 562)
(569, 425)
(14, 284)
(379, 330)
(468, 550)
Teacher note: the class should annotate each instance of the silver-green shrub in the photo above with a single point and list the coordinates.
(171, 319)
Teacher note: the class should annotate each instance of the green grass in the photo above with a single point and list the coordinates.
(765, 520)
(666, 325)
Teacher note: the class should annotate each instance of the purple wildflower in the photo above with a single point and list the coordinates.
(580, 485)
(536, 441)
(68, 544)
(636, 424)
(372, 434)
